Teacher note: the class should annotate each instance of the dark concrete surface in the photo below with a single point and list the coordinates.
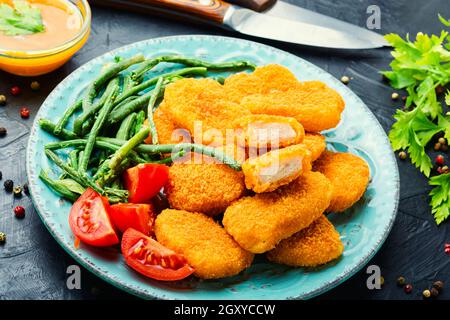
(33, 265)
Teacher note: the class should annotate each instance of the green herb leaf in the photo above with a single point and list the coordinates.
(23, 19)
(447, 98)
(440, 197)
(444, 21)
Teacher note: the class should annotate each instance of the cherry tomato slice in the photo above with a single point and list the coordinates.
(137, 216)
(152, 259)
(89, 220)
(144, 181)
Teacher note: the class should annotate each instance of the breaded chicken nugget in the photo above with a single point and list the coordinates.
(267, 130)
(201, 106)
(349, 175)
(258, 223)
(316, 245)
(315, 105)
(276, 168)
(265, 79)
(168, 132)
(207, 188)
(315, 142)
(204, 243)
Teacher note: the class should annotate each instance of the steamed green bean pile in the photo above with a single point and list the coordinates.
(107, 132)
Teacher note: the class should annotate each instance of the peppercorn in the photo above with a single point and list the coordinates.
(2, 237)
(19, 212)
(442, 140)
(381, 280)
(404, 98)
(24, 113)
(437, 146)
(402, 155)
(2, 100)
(438, 285)
(439, 170)
(345, 79)
(426, 293)
(444, 147)
(445, 169)
(15, 91)
(3, 131)
(408, 288)
(26, 190)
(395, 96)
(439, 159)
(17, 191)
(434, 292)
(35, 85)
(447, 250)
(9, 185)
(401, 281)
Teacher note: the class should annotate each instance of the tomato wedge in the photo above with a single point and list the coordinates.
(137, 216)
(144, 181)
(152, 259)
(89, 220)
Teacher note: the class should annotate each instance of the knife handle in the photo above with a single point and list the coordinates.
(211, 10)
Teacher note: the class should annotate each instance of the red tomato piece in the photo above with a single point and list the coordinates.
(137, 216)
(89, 220)
(152, 259)
(144, 181)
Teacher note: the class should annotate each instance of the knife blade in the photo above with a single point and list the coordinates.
(262, 25)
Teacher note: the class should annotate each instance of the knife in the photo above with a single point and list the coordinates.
(280, 21)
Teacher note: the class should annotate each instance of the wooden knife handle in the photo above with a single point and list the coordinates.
(211, 10)
(256, 5)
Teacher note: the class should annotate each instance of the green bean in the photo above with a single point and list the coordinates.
(127, 147)
(107, 74)
(73, 159)
(220, 79)
(49, 127)
(113, 86)
(80, 158)
(146, 84)
(107, 176)
(81, 179)
(99, 122)
(150, 110)
(133, 106)
(125, 127)
(65, 118)
(140, 118)
(58, 188)
(149, 64)
(170, 159)
(124, 102)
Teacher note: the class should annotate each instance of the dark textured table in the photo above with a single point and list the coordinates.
(33, 265)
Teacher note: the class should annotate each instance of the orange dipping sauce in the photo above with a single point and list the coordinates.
(67, 26)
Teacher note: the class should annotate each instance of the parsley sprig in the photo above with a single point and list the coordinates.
(420, 67)
(22, 19)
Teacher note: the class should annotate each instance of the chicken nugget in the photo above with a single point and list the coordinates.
(207, 187)
(349, 175)
(276, 168)
(201, 106)
(203, 242)
(267, 130)
(263, 80)
(315, 105)
(258, 223)
(168, 132)
(315, 142)
(316, 245)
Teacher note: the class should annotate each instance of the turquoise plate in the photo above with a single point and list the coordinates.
(363, 228)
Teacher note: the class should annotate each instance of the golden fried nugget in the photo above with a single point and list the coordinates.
(168, 132)
(315, 142)
(315, 105)
(204, 243)
(207, 187)
(266, 130)
(201, 106)
(316, 245)
(258, 223)
(276, 168)
(263, 80)
(349, 175)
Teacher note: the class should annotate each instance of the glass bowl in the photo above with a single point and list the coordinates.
(38, 62)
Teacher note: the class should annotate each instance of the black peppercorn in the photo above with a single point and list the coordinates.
(25, 189)
(2, 237)
(9, 185)
(401, 281)
(439, 285)
(2, 131)
(17, 191)
(434, 292)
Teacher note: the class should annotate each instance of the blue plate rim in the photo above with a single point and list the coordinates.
(129, 288)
